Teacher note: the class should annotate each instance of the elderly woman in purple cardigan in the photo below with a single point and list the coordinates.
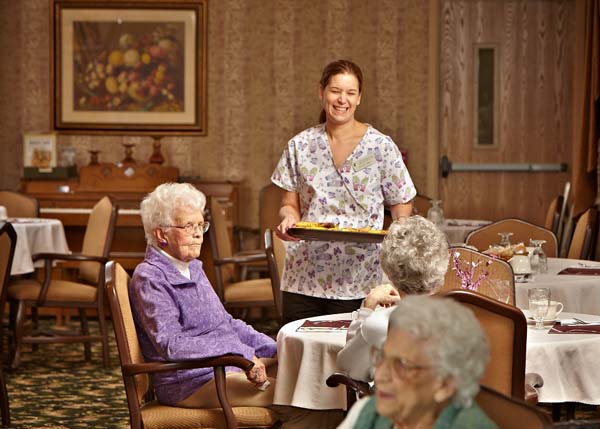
(178, 316)
(177, 313)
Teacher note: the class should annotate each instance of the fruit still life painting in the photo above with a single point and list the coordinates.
(125, 66)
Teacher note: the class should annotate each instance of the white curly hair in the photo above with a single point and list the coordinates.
(415, 255)
(158, 207)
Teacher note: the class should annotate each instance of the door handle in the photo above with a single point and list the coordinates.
(447, 166)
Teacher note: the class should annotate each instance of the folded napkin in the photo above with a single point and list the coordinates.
(324, 325)
(581, 271)
(557, 328)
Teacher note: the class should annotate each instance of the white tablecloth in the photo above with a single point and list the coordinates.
(457, 229)
(566, 362)
(36, 235)
(579, 294)
(306, 359)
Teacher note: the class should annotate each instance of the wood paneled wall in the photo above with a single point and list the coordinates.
(534, 48)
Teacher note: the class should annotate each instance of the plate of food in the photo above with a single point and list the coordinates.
(327, 231)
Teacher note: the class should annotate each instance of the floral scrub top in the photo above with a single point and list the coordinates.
(352, 196)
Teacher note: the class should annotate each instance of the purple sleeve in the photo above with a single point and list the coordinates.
(159, 314)
(263, 345)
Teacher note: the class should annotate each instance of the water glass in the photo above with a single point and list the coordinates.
(539, 260)
(539, 302)
(505, 238)
(436, 214)
(500, 290)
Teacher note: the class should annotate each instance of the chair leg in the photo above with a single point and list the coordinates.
(85, 330)
(4, 401)
(18, 336)
(104, 333)
(35, 323)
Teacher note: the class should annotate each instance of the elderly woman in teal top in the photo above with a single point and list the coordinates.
(428, 371)
(341, 171)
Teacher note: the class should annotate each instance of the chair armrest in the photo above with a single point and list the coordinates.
(533, 381)
(262, 256)
(69, 257)
(154, 367)
(362, 388)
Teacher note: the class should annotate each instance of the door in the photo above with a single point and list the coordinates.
(506, 71)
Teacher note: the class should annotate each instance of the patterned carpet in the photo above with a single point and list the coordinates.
(55, 388)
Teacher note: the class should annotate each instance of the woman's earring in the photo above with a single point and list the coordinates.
(163, 243)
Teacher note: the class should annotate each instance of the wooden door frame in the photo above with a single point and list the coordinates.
(433, 99)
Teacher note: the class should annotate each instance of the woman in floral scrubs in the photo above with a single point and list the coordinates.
(341, 171)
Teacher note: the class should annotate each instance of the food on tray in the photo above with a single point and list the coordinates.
(330, 226)
(315, 225)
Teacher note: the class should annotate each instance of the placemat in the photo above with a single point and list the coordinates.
(557, 328)
(324, 325)
(581, 271)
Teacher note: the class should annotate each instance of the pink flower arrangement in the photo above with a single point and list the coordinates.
(466, 271)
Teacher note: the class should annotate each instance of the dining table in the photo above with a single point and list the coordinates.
(36, 235)
(305, 360)
(579, 293)
(566, 362)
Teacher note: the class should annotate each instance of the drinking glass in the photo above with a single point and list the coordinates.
(539, 301)
(539, 261)
(500, 290)
(505, 238)
(435, 214)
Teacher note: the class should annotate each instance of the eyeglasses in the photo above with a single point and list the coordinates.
(190, 228)
(401, 368)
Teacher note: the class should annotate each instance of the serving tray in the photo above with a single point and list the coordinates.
(335, 235)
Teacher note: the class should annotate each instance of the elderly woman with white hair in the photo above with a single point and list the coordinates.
(177, 313)
(414, 256)
(427, 372)
(179, 316)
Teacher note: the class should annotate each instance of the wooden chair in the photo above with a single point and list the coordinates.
(233, 292)
(86, 293)
(19, 205)
(509, 413)
(553, 214)
(146, 412)
(497, 270)
(506, 330)
(8, 242)
(269, 203)
(522, 231)
(275, 250)
(583, 241)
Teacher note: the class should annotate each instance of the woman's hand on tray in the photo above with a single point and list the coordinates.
(282, 229)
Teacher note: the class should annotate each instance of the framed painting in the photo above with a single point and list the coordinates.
(129, 66)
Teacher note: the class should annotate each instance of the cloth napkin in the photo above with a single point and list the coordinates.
(581, 271)
(574, 329)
